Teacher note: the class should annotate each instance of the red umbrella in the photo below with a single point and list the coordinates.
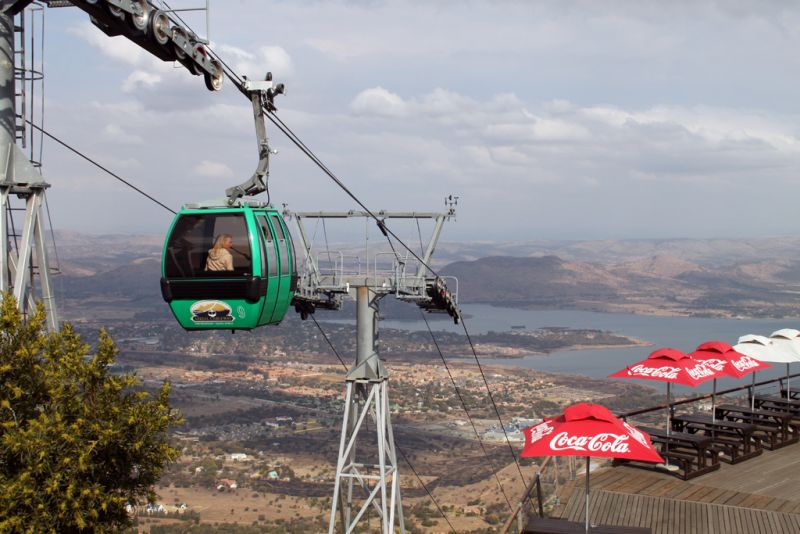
(721, 357)
(588, 430)
(673, 367)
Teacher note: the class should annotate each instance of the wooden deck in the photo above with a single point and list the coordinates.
(758, 496)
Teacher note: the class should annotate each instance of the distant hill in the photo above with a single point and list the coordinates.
(543, 281)
(660, 284)
(136, 280)
(752, 277)
(705, 252)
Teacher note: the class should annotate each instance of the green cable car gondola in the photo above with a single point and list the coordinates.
(229, 264)
(228, 267)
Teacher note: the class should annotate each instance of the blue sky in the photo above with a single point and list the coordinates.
(550, 120)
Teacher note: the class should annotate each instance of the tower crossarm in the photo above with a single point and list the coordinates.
(328, 275)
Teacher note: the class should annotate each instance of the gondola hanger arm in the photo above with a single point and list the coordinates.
(262, 96)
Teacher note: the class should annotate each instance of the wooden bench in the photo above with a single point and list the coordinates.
(772, 426)
(548, 525)
(736, 442)
(781, 404)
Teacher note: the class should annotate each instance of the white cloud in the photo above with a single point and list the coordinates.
(378, 101)
(116, 134)
(213, 169)
(140, 78)
(549, 115)
(443, 102)
(256, 64)
(117, 48)
(340, 49)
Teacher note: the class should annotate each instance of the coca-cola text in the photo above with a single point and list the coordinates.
(655, 372)
(606, 442)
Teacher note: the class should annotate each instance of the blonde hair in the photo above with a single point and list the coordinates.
(219, 240)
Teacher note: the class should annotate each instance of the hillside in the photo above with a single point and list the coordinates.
(660, 284)
(756, 278)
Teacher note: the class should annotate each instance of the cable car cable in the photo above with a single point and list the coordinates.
(491, 399)
(466, 411)
(52, 232)
(239, 83)
(419, 479)
(278, 122)
(93, 162)
(324, 335)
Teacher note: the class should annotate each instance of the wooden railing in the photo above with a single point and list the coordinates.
(522, 509)
(689, 400)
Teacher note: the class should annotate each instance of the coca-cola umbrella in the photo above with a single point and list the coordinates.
(788, 339)
(588, 430)
(723, 358)
(673, 367)
(763, 349)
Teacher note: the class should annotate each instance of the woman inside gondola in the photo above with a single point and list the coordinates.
(219, 257)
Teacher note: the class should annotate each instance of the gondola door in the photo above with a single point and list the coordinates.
(270, 266)
(288, 271)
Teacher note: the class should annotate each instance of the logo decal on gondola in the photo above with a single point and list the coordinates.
(211, 311)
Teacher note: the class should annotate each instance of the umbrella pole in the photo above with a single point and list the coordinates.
(669, 412)
(587, 494)
(788, 388)
(753, 392)
(714, 403)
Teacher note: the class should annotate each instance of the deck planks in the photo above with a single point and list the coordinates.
(758, 496)
(672, 516)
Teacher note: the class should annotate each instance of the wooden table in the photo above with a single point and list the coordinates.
(547, 525)
(694, 452)
(773, 425)
(735, 440)
(794, 393)
(776, 403)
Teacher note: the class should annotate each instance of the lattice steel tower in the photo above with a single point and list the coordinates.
(368, 478)
(23, 256)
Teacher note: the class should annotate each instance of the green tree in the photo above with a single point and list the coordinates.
(77, 443)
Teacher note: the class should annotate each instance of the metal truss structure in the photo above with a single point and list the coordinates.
(23, 256)
(328, 277)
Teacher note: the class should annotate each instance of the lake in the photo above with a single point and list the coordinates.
(683, 333)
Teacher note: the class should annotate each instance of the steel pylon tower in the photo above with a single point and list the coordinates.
(368, 477)
(23, 257)
(367, 392)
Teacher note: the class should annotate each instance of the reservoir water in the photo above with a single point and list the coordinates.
(683, 333)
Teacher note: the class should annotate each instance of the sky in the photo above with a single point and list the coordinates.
(549, 120)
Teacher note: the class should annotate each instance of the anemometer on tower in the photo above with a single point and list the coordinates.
(230, 263)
